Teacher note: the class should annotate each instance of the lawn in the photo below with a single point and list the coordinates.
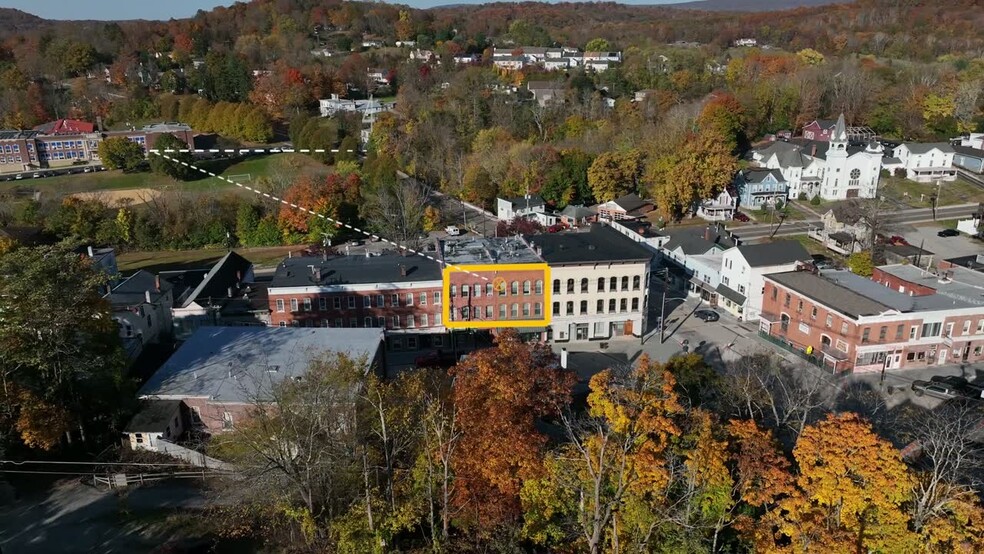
(196, 259)
(917, 195)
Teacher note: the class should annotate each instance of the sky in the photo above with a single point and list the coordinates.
(166, 9)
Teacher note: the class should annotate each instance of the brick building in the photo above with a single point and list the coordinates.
(402, 294)
(221, 373)
(903, 318)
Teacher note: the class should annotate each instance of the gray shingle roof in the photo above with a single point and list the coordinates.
(154, 416)
(600, 243)
(968, 151)
(691, 240)
(924, 147)
(355, 270)
(774, 253)
(630, 202)
(234, 364)
(227, 272)
(133, 290)
(757, 175)
(731, 294)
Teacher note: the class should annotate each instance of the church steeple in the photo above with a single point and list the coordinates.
(840, 130)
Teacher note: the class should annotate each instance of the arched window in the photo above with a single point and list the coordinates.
(538, 287)
(570, 286)
(514, 288)
(584, 284)
(784, 322)
(613, 284)
(625, 283)
(556, 286)
(570, 308)
(601, 284)
(635, 282)
(526, 288)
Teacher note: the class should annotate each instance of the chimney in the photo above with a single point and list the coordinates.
(813, 151)
(317, 274)
(324, 256)
(563, 358)
(239, 275)
(403, 270)
(230, 291)
(92, 254)
(157, 283)
(147, 296)
(99, 123)
(707, 233)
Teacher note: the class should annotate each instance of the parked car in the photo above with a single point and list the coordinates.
(707, 315)
(452, 230)
(948, 233)
(556, 228)
(740, 216)
(36, 175)
(898, 240)
(936, 389)
(968, 389)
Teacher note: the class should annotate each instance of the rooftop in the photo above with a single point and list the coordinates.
(488, 250)
(234, 364)
(698, 240)
(968, 151)
(924, 147)
(165, 127)
(58, 126)
(599, 243)
(522, 201)
(774, 253)
(133, 290)
(957, 283)
(307, 271)
(154, 416)
(759, 174)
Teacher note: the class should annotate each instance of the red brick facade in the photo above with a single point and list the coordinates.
(500, 296)
(404, 308)
(899, 284)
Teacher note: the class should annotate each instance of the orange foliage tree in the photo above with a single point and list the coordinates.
(499, 394)
(334, 197)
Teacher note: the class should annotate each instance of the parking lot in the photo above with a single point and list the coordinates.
(942, 247)
(42, 173)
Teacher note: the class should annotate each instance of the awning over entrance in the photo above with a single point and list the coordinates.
(731, 295)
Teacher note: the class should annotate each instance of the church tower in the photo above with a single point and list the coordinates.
(835, 180)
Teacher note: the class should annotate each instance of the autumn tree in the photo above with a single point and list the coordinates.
(169, 160)
(860, 263)
(615, 174)
(679, 180)
(121, 153)
(323, 207)
(500, 393)
(724, 116)
(61, 369)
(394, 208)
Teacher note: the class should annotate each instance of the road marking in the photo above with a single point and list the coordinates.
(312, 212)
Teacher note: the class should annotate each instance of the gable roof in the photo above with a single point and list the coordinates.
(133, 289)
(65, 126)
(924, 147)
(691, 241)
(577, 211)
(154, 417)
(600, 243)
(758, 175)
(773, 253)
(630, 202)
(968, 151)
(534, 200)
(823, 123)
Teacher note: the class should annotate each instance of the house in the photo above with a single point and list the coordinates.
(907, 254)
(378, 76)
(745, 42)
(841, 230)
(599, 284)
(199, 295)
(557, 64)
(759, 187)
(926, 162)
(577, 215)
(720, 208)
(630, 206)
(157, 420)
(641, 231)
(744, 267)
(901, 318)
(142, 310)
(973, 140)
(685, 256)
(971, 159)
(833, 169)
(422, 55)
(819, 129)
(399, 293)
(546, 92)
(511, 63)
(368, 108)
(221, 373)
(406, 44)
(510, 208)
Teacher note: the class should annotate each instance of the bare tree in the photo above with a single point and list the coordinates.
(395, 210)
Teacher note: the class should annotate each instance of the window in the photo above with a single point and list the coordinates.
(635, 282)
(786, 301)
(395, 300)
(478, 290)
(912, 332)
(841, 345)
(966, 327)
(600, 309)
(514, 288)
(775, 292)
(830, 321)
(322, 304)
(623, 305)
(437, 323)
(556, 286)
(613, 284)
(488, 289)
(280, 305)
(423, 299)
(799, 308)
(353, 322)
(514, 310)
(949, 330)
(293, 304)
(980, 326)
(584, 284)
(601, 284)
(611, 305)
(882, 333)
(437, 298)
(855, 178)
(866, 334)
(367, 301)
(502, 311)
(368, 321)
(570, 308)
(380, 321)
(454, 291)
(409, 299)
(538, 287)
(307, 304)
(423, 320)
(584, 306)
(804, 328)
(526, 309)
(465, 290)
(784, 322)
(930, 330)
(899, 331)
(380, 300)
(283, 323)
(465, 313)
(635, 304)
(843, 327)
(625, 283)
(570, 286)
(338, 322)
(351, 302)
(410, 321)
(488, 311)
(814, 314)
(396, 321)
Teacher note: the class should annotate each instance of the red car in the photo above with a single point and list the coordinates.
(739, 216)
(556, 228)
(897, 240)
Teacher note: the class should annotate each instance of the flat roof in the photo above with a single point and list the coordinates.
(235, 364)
(957, 283)
(300, 271)
(599, 243)
(488, 250)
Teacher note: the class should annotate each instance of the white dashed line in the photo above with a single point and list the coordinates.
(305, 210)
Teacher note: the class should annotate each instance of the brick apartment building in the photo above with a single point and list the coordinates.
(402, 294)
(903, 317)
(67, 142)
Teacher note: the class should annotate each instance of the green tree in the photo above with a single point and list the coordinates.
(860, 263)
(121, 153)
(174, 164)
(61, 369)
(597, 45)
(810, 56)
(348, 149)
(78, 58)
(699, 170)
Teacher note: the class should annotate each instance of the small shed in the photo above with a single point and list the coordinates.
(158, 419)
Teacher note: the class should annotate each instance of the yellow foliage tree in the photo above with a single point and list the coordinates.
(40, 423)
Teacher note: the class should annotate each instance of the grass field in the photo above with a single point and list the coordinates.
(194, 259)
(917, 194)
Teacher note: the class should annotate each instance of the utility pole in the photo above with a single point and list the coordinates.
(662, 313)
(782, 217)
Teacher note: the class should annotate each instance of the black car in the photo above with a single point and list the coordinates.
(707, 315)
(935, 388)
(948, 233)
(961, 385)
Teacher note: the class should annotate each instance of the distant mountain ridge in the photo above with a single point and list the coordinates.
(751, 5)
(13, 20)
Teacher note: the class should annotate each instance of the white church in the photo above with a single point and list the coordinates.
(834, 170)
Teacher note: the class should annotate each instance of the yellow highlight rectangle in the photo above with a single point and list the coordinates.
(497, 270)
